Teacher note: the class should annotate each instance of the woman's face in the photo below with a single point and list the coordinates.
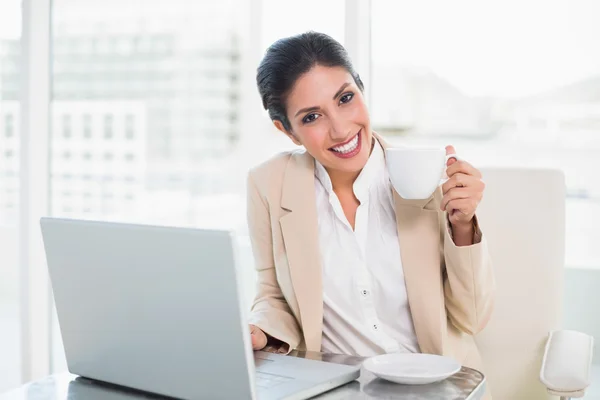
(330, 119)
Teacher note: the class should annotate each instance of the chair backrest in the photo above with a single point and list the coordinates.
(523, 217)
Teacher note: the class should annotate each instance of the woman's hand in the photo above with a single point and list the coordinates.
(260, 341)
(462, 193)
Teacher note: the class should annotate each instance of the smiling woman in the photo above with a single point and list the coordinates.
(342, 261)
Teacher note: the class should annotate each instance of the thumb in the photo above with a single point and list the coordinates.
(255, 340)
(258, 338)
(450, 150)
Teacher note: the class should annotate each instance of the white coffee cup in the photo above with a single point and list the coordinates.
(415, 172)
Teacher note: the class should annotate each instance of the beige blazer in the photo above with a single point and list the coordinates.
(450, 289)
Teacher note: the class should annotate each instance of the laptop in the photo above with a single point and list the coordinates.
(160, 309)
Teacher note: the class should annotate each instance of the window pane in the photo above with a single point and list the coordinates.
(146, 114)
(506, 82)
(281, 19)
(10, 28)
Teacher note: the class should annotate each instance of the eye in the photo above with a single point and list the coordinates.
(346, 98)
(310, 118)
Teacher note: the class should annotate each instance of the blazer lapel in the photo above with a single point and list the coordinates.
(420, 244)
(300, 236)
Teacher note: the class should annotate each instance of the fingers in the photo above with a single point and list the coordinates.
(270, 349)
(456, 181)
(465, 206)
(255, 342)
(462, 167)
(260, 342)
(459, 180)
(259, 339)
(278, 349)
(454, 194)
(450, 150)
(463, 190)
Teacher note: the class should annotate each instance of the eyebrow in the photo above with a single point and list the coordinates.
(344, 86)
(306, 110)
(341, 89)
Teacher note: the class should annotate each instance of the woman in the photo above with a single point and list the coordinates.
(344, 264)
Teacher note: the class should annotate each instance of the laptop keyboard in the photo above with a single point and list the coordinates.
(265, 380)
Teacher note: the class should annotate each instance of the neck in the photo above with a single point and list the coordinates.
(342, 180)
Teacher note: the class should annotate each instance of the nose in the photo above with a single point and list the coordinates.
(340, 129)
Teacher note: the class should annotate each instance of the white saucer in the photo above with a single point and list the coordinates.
(412, 368)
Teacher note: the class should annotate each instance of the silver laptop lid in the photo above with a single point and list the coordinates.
(153, 308)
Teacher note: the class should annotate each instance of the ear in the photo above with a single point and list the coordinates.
(280, 127)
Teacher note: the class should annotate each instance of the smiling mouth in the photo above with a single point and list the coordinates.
(347, 147)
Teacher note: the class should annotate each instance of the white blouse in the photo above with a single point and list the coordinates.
(365, 304)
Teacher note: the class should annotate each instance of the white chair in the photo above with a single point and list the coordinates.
(523, 216)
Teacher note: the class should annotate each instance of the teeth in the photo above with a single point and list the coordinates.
(347, 147)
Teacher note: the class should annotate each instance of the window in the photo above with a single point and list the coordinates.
(9, 127)
(129, 157)
(124, 46)
(10, 329)
(490, 83)
(129, 126)
(87, 126)
(329, 19)
(108, 126)
(66, 126)
(112, 45)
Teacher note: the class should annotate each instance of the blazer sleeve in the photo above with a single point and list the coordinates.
(469, 286)
(270, 311)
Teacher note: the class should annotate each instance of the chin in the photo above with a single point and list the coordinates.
(356, 164)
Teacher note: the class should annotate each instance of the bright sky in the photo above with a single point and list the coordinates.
(283, 18)
(484, 47)
(499, 47)
(10, 19)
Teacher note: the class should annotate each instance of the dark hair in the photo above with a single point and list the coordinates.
(287, 59)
